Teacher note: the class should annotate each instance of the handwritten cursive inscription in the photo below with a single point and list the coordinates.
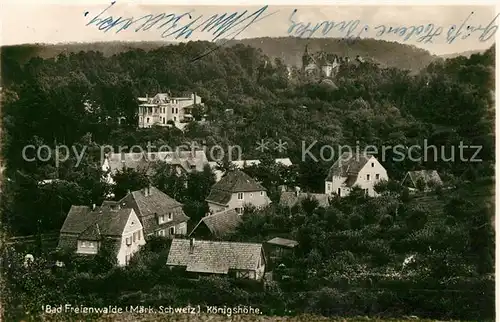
(347, 28)
(425, 33)
(181, 25)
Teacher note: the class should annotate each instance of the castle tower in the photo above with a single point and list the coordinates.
(306, 57)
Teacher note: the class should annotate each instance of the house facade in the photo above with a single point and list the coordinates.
(162, 108)
(203, 257)
(87, 229)
(234, 191)
(160, 214)
(354, 169)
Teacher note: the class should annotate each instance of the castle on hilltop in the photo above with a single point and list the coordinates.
(323, 64)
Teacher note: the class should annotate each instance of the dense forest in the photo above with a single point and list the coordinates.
(447, 103)
(289, 49)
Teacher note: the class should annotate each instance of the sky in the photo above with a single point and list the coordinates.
(42, 22)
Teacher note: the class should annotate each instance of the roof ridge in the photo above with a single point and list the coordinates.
(218, 241)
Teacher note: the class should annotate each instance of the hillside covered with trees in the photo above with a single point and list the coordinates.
(387, 53)
(447, 104)
(289, 49)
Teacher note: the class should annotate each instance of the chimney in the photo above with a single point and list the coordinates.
(93, 206)
(194, 98)
(146, 190)
(191, 245)
(297, 191)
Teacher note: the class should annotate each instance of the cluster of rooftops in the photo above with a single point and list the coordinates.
(150, 212)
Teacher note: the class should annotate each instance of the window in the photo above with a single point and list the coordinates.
(240, 195)
(251, 195)
(338, 191)
(170, 215)
(377, 176)
(161, 219)
(262, 193)
(239, 210)
(176, 110)
(172, 231)
(128, 240)
(373, 164)
(134, 237)
(147, 120)
(367, 177)
(173, 109)
(139, 235)
(161, 232)
(175, 119)
(366, 191)
(127, 259)
(329, 187)
(163, 120)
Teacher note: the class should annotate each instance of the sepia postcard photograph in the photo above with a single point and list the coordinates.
(171, 161)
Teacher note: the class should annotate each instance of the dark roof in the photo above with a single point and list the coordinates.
(427, 176)
(221, 223)
(348, 165)
(290, 198)
(283, 242)
(148, 207)
(214, 256)
(238, 181)
(83, 223)
(219, 196)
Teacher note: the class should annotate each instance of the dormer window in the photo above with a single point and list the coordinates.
(170, 216)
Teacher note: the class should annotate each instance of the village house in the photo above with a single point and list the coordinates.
(217, 226)
(87, 229)
(234, 191)
(203, 257)
(293, 198)
(423, 180)
(354, 169)
(159, 214)
(241, 164)
(180, 161)
(163, 109)
(278, 247)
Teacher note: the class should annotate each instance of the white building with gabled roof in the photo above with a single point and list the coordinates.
(354, 169)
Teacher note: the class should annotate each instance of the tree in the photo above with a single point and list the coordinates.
(199, 184)
(167, 179)
(127, 180)
(309, 204)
